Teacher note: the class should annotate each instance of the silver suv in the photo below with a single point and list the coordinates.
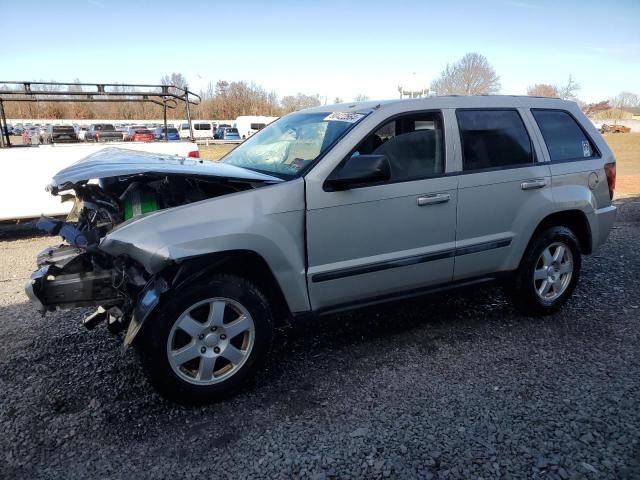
(325, 210)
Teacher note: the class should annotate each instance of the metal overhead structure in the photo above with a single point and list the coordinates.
(167, 96)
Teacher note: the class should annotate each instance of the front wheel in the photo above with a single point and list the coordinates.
(206, 340)
(548, 272)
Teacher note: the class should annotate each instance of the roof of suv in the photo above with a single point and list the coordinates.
(452, 101)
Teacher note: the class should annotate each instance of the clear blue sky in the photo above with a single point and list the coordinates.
(334, 48)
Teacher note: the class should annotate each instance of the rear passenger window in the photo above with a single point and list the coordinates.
(493, 139)
(564, 138)
(413, 144)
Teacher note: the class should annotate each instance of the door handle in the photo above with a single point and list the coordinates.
(533, 184)
(433, 199)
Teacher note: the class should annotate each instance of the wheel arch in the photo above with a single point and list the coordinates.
(575, 220)
(244, 263)
(247, 264)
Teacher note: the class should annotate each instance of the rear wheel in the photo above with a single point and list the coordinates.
(548, 272)
(207, 339)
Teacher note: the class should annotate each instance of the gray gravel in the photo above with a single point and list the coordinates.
(458, 386)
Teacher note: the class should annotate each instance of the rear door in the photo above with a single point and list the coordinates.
(504, 190)
(375, 241)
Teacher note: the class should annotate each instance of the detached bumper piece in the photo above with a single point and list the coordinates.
(71, 234)
(67, 278)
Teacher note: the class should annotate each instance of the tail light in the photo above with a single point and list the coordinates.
(194, 154)
(610, 170)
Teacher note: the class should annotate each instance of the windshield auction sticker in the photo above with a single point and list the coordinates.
(349, 117)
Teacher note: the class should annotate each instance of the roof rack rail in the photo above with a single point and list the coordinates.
(167, 96)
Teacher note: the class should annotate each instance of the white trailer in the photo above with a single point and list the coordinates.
(27, 170)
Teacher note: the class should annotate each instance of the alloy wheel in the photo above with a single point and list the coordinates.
(553, 271)
(211, 341)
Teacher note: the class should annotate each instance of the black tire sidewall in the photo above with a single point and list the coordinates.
(526, 295)
(158, 326)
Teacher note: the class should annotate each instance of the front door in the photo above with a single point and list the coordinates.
(375, 241)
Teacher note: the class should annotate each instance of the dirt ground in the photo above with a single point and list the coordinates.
(455, 386)
(626, 148)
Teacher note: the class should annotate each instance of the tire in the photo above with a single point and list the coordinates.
(209, 375)
(547, 275)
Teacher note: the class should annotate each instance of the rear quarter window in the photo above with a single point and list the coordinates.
(563, 136)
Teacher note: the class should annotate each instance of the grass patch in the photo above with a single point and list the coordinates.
(217, 151)
(626, 148)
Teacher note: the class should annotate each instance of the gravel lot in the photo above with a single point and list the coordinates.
(458, 386)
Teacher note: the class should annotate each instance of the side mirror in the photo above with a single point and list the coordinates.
(359, 170)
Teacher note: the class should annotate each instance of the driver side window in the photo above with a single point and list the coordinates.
(413, 144)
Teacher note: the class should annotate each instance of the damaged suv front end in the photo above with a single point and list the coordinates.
(198, 261)
(97, 266)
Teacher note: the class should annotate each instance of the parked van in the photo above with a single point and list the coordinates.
(248, 125)
(201, 129)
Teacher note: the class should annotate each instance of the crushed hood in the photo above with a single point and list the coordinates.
(115, 162)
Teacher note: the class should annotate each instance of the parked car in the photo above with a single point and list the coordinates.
(60, 133)
(139, 134)
(170, 134)
(17, 130)
(325, 210)
(227, 133)
(605, 128)
(123, 130)
(31, 135)
(102, 132)
(42, 132)
(81, 131)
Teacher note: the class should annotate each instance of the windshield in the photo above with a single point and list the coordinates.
(292, 143)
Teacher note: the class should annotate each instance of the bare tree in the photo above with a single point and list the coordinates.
(175, 79)
(361, 97)
(338, 100)
(542, 90)
(292, 103)
(568, 91)
(626, 100)
(79, 110)
(471, 75)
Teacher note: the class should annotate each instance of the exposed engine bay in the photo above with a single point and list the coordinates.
(78, 273)
(98, 208)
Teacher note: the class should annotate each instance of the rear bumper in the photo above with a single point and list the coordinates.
(601, 222)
